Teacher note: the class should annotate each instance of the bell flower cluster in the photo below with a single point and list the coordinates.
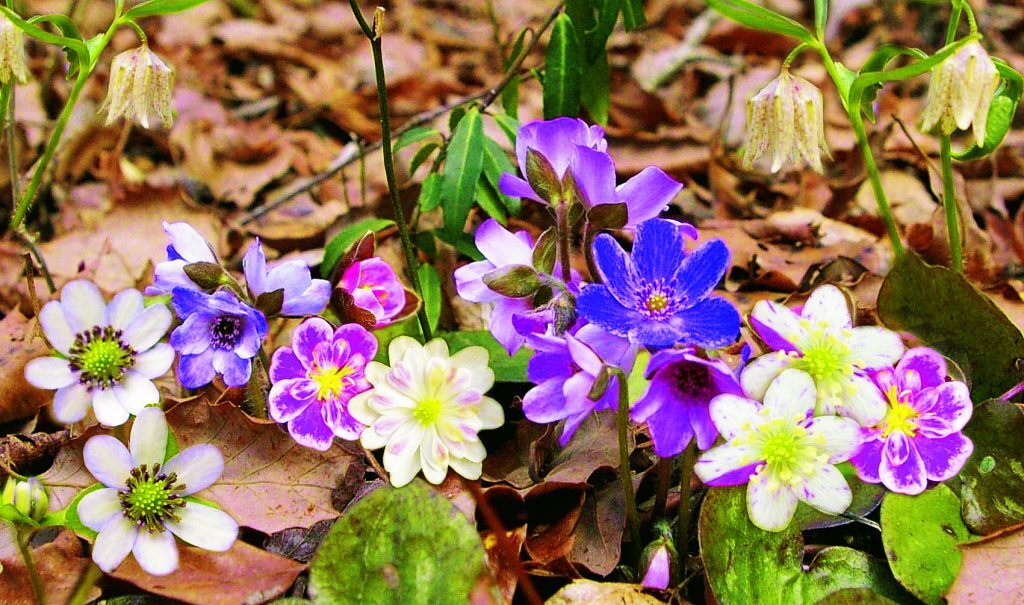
(786, 123)
(140, 88)
(960, 93)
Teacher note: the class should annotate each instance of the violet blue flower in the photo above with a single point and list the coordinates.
(303, 295)
(146, 499)
(187, 246)
(781, 452)
(107, 355)
(219, 334)
(568, 144)
(315, 378)
(675, 406)
(564, 369)
(920, 438)
(661, 295)
(375, 287)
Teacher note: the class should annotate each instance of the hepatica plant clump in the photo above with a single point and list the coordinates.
(621, 427)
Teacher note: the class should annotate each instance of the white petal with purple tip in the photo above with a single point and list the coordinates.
(723, 459)
(779, 319)
(826, 490)
(770, 510)
(205, 527)
(108, 460)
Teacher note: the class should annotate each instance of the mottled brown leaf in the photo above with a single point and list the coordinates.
(991, 570)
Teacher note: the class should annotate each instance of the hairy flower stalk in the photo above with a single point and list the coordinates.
(140, 88)
(960, 92)
(785, 122)
(12, 53)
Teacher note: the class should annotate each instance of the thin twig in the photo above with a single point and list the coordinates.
(510, 552)
(30, 243)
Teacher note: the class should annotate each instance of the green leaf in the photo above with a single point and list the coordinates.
(562, 71)
(745, 564)
(596, 95)
(487, 198)
(462, 168)
(820, 17)
(414, 135)
(71, 519)
(497, 163)
(341, 242)
(405, 545)
(78, 52)
(506, 368)
(430, 192)
(430, 283)
(595, 40)
(876, 62)
(422, 155)
(384, 336)
(1000, 113)
(920, 535)
(992, 481)
(509, 125)
(160, 7)
(949, 314)
(633, 14)
(758, 17)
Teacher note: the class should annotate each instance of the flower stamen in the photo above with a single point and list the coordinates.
(152, 497)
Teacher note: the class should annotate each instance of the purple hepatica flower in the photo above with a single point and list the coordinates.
(186, 247)
(919, 439)
(303, 295)
(315, 378)
(145, 499)
(564, 369)
(375, 287)
(660, 296)
(219, 335)
(675, 406)
(568, 144)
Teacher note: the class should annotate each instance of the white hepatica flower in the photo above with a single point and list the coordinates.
(427, 409)
(822, 342)
(145, 500)
(781, 452)
(107, 355)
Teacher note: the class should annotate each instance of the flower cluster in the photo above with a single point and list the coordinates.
(140, 88)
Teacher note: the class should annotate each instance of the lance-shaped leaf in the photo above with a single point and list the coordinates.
(562, 71)
(462, 168)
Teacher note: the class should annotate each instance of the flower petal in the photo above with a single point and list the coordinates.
(490, 413)
(136, 392)
(474, 361)
(401, 455)
(56, 327)
(701, 271)
(232, 368)
(307, 336)
(501, 246)
(285, 365)
(156, 552)
(282, 403)
(71, 403)
(49, 373)
(254, 265)
(826, 490)
(717, 466)
(838, 437)
(670, 430)
(97, 508)
(514, 186)
(828, 305)
(905, 472)
(148, 441)
(108, 409)
(944, 457)
(863, 401)
(658, 250)
(617, 271)
(868, 460)
(83, 305)
(155, 362)
(770, 510)
(195, 371)
(733, 415)
(648, 194)
(123, 308)
(310, 429)
(594, 172)
(875, 346)
(197, 467)
(712, 323)
(188, 243)
(952, 403)
(777, 325)
(928, 367)
(597, 304)
(791, 394)
(148, 328)
(759, 374)
(114, 542)
(204, 526)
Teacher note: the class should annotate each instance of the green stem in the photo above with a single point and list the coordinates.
(625, 473)
(949, 203)
(687, 460)
(857, 123)
(7, 100)
(86, 581)
(24, 537)
(374, 36)
(562, 236)
(795, 53)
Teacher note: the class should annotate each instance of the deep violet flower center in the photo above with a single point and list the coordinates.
(101, 357)
(226, 332)
(330, 381)
(901, 414)
(691, 377)
(152, 497)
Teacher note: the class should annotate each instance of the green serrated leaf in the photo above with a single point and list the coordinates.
(462, 167)
(430, 283)
(759, 17)
(160, 7)
(952, 316)
(506, 368)
(341, 242)
(992, 481)
(400, 546)
(562, 71)
(921, 534)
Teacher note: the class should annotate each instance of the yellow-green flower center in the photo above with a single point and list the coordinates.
(789, 452)
(427, 411)
(329, 381)
(101, 357)
(900, 416)
(657, 302)
(152, 497)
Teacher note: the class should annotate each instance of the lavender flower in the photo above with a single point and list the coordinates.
(661, 296)
(675, 406)
(569, 145)
(303, 295)
(146, 499)
(781, 452)
(187, 246)
(315, 378)
(564, 369)
(219, 334)
(920, 438)
(820, 340)
(106, 355)
(375, 287)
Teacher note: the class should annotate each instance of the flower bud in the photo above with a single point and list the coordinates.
(28, 497)
(785, 121)
(658, 559)
(12, 52)
(140, 88)
(960, 93)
